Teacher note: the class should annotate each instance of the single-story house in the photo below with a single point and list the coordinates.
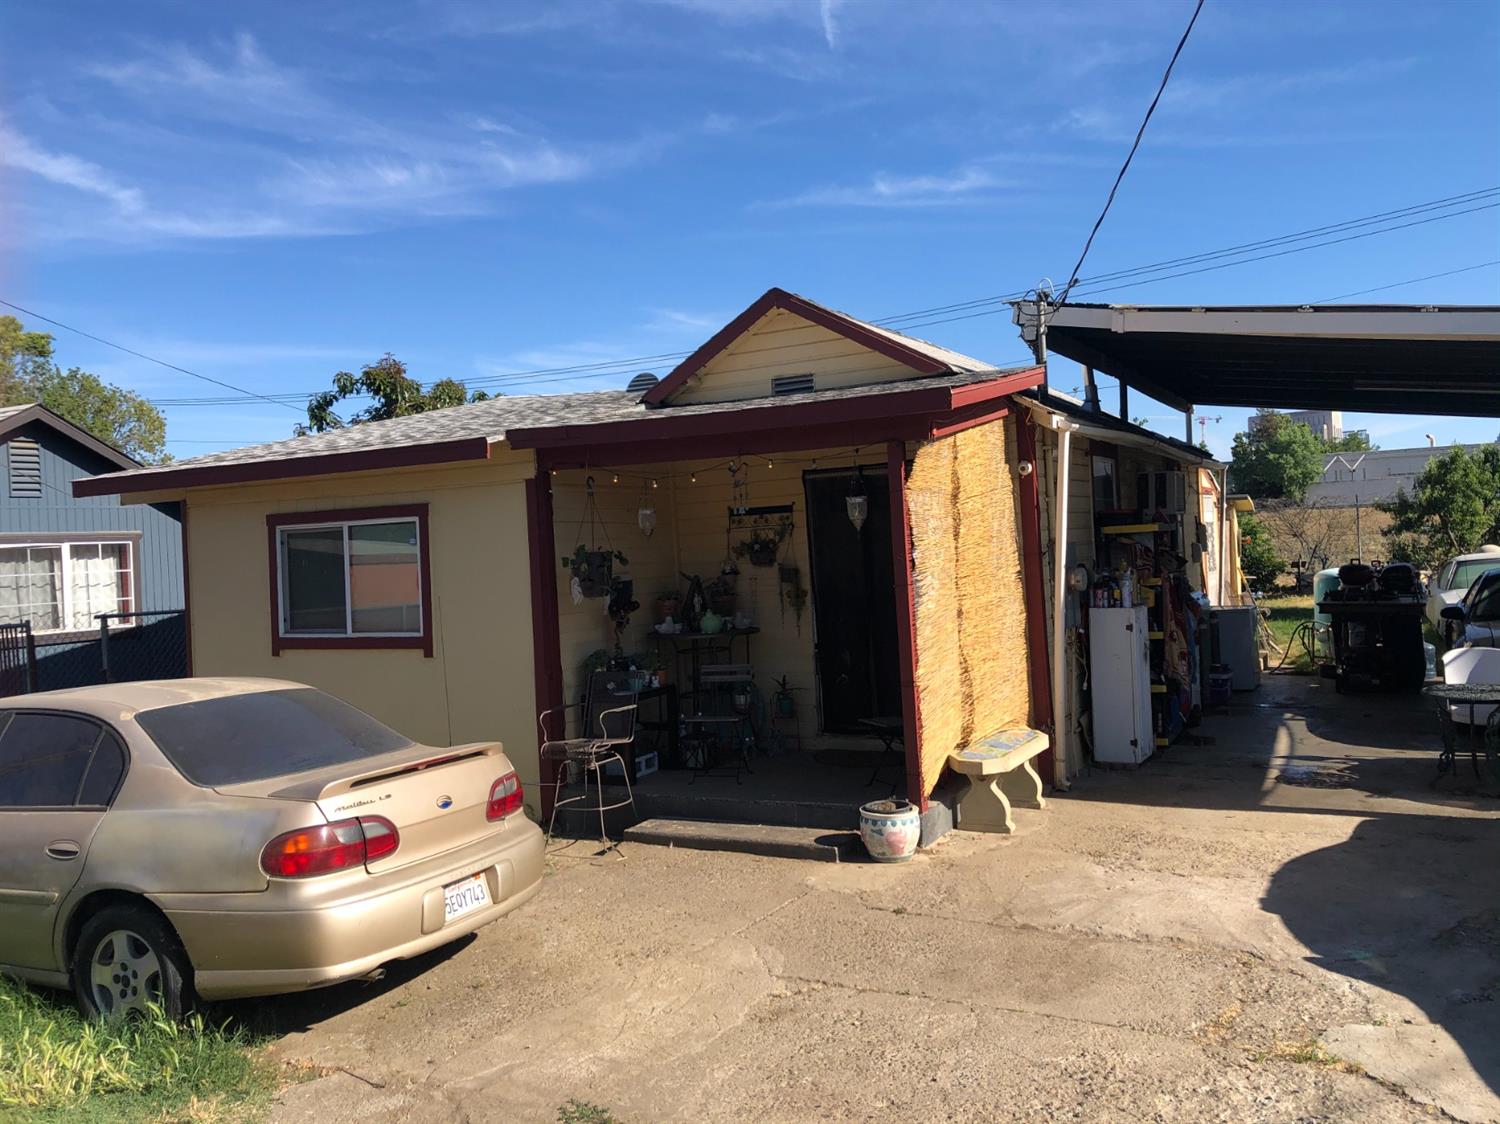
(65, 558)
(868, 513)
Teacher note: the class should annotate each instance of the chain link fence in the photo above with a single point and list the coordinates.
(128, 646)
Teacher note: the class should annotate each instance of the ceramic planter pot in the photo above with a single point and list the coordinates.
(593, 573)
(891, 830)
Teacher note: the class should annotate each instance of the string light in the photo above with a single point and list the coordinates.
(653, 481)
(616, 479)
(692, 478)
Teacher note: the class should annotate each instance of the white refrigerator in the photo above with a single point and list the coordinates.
(1120, 683)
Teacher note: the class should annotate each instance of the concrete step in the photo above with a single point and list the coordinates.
(777, 841)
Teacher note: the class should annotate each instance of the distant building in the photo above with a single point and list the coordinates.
(1327, 424)
(1376, 475)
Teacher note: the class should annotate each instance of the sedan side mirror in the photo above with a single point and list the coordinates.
(1452, 613)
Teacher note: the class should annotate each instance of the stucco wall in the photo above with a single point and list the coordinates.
(477, 686)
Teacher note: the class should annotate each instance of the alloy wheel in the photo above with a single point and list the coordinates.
(124, 974)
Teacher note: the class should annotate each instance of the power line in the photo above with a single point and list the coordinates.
(1125, 167)
(1408, 281)
(142, 355)
(1230, 251)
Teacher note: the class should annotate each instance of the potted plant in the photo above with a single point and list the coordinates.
(764, 544)
(890, 829)
(783, 700)
(720, 594)
(593, 568)
(622, 603)
(668, 606)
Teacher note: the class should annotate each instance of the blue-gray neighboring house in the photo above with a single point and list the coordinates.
(64, 561)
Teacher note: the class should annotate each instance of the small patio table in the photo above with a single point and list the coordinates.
(890, 730)
(1471, 695)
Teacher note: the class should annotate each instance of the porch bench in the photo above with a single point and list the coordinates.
(1000, 775)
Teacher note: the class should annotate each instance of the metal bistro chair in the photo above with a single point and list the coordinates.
(609, 706)
(722, 725)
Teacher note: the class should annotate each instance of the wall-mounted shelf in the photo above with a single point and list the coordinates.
(1135, 529)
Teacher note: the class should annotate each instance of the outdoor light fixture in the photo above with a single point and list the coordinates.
(1025, 468)
(856, 502)
(646, 517)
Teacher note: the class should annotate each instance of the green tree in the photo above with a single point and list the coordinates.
(22, 355)
(396, 395)
(1454, 510)
(1258, 557)
(1277, 459)
(116, 416)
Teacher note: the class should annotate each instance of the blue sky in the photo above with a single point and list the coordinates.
(269, 193)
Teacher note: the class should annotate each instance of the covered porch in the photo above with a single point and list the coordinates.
(809, 549)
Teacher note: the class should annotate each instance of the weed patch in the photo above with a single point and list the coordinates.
(57, 1066)
(581, 1112)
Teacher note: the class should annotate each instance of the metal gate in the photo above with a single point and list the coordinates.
(17, 659)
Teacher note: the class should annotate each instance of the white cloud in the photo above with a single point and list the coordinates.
(968, 184)
(826, 10)
(18, 151)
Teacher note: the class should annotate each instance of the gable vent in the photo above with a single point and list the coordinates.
(642, 383)
(791, 384)
(25, 458)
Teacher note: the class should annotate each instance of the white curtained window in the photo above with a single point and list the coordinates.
(65, 586)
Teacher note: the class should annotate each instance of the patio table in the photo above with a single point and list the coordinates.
(1471, 695)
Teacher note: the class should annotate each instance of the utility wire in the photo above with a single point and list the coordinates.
(1230, 251)
(1125, 167)
(1408, 281)
(143, 355)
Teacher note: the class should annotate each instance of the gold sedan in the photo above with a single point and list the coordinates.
(212, 838)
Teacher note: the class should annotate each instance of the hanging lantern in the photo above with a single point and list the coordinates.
(856, 502)
(646, 518)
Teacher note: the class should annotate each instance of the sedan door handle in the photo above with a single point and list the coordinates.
(64, 849)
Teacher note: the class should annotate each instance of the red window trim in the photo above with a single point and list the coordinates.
(417, 511)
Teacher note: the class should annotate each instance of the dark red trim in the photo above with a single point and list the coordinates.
(981, 413)
(988, 390)
(1035, 587)
(906, 622)
(284, 468)
(546, 641)
(417, 511)
(845, 326)
(753, 419)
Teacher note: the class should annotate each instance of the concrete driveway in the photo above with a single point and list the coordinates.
(1196, 940)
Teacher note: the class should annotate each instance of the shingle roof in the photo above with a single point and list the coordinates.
(493, 419)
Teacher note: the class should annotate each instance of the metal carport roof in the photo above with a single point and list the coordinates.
(1381, 358)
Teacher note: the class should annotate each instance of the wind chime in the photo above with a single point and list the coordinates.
(856, 503)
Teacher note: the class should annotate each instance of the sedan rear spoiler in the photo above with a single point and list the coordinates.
(320, 784)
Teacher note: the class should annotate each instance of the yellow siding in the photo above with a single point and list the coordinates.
(782, 343)
(585, 627)
(692, 517)
(479, 683)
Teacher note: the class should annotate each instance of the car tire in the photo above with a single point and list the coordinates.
(126, 958)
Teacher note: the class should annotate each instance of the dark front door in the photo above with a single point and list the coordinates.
(854, 602)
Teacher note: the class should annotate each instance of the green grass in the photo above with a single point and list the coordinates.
(581, 1112)
(1283, 615)
(56, 1066)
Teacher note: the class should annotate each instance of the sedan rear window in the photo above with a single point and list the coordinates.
(241, 738)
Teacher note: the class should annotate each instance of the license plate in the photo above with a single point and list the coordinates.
(461, 898)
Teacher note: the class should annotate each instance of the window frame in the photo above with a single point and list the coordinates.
(277, 524)
(64, 543)
(106, 730)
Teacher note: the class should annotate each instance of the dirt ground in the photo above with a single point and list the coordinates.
(1206, 938)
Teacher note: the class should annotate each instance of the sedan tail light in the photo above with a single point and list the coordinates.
(329, 847)
(505, 797)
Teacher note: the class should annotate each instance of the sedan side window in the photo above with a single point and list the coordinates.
(1487, 604)
(43, 758)
(106, 771)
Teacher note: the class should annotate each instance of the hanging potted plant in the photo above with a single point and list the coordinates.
(622, 603)
(764, 545)
(593, 569)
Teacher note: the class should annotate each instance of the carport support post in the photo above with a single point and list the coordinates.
(1188, 415)
(906, 622)
(1124, 401)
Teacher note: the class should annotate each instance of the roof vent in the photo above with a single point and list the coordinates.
(791, 384)
(642, 382)
(25, 463)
